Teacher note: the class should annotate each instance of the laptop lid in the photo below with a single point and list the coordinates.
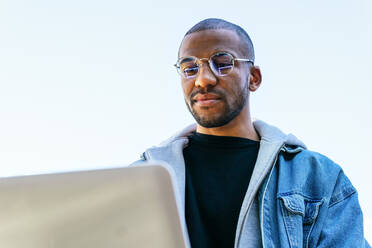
(108, 208)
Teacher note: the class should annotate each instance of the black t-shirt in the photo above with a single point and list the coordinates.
(218, 171)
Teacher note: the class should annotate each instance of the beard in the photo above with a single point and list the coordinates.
(228, 112)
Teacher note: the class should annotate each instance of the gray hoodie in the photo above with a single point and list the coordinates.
(248, 228)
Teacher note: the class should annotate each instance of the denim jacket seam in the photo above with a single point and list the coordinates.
(346, 194)
(298, 192)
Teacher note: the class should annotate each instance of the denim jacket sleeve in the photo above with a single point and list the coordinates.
(343, 225)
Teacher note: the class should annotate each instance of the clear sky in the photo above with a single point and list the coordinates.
(90, 84)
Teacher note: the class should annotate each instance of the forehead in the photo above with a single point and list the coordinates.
(205, 43)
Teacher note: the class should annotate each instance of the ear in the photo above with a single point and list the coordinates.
(255, 78)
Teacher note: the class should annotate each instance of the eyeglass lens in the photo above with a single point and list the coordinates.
(221, 64)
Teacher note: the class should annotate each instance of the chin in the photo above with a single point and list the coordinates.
(212, 122)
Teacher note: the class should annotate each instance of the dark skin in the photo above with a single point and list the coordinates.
(243, 78)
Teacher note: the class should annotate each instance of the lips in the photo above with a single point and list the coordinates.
(206, 99)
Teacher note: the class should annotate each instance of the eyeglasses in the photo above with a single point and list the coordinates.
(221, 64)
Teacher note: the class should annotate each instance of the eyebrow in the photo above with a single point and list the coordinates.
(214, 51)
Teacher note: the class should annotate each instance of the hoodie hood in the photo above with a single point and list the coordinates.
(272, 141)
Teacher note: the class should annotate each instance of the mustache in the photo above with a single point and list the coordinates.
(206, 91)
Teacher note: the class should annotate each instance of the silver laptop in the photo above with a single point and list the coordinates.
(109, 208)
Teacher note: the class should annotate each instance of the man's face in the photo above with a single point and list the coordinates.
(214, 100)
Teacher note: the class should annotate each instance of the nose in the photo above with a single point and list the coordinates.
(205, 77)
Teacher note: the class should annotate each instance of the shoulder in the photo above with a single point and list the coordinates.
(307, 161)
(313, 174)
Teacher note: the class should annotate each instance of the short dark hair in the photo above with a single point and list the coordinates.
(215, 23)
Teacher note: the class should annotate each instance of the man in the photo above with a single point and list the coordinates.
(244, 183)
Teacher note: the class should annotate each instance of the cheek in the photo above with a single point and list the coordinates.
(233, 87)
(187, 88)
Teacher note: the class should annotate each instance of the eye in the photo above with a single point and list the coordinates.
(191, 71)
(189, 67)
(222, 63)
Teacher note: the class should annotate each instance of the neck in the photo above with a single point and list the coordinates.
(240, 126)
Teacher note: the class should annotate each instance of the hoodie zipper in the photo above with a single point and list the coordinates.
(143, 156)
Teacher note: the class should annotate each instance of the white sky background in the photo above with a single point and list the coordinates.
(88, 84)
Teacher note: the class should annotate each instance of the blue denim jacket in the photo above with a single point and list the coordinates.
(307, 201)
(304, 199)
